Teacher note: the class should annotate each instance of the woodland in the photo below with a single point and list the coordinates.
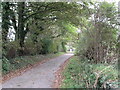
(89, 29)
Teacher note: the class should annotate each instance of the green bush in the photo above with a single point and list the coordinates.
(23, 61)
(49, 46)
(81, 74)
(6, 66)
(14, 44)
(45, 45)
(31, 47)
(53, 47)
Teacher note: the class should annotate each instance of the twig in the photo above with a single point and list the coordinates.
(98, 75)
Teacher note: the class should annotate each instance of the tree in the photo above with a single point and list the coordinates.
(5, 20)
(99, 32)
(5, 24)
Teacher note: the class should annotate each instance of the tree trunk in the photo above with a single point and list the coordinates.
(5, 21)
(21, 7)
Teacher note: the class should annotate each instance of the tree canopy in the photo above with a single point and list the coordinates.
(90, 29)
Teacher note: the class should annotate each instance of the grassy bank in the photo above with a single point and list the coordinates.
(81, 74)
(21, 62)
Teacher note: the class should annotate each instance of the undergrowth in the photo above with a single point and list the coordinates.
(79, 73)
(21, 62)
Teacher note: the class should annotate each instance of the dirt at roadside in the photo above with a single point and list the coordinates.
(58, 74)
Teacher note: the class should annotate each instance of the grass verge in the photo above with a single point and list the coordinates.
(81, 74)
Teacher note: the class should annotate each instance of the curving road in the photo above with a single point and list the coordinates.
(42, 76)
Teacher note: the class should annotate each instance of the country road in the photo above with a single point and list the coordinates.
(42, 76)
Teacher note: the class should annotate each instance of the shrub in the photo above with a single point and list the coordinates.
(53, 47)
(6, 66)
(30, 47)
(49, 46)
(81, 74)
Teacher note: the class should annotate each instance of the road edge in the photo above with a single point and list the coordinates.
(58, 74)
(25, 69)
